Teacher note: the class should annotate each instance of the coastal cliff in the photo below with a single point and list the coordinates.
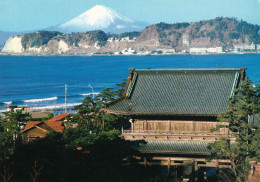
(218, 32)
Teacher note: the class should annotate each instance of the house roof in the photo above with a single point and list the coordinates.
(177, 92)
(54, 124)
(31, 124)
(37, 124)
(58, 126)
(44, 126)
(174, 147)
(59, 117)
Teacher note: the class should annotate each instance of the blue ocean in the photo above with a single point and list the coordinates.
(39, 82)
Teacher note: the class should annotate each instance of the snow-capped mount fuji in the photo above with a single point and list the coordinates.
(100, 18)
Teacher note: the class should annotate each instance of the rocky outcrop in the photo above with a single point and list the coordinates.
(52, 43)
(13, 45)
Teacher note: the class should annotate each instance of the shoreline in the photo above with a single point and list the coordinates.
(93, 55)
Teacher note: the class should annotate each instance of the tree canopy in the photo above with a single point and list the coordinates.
(244, 104)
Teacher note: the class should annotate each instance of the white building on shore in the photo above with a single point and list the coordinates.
(258, 47)
(205, 50)
(245, 47)
(128, 51)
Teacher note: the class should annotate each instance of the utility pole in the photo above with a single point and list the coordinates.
(65, 98)
(55, 107)
(92, 91)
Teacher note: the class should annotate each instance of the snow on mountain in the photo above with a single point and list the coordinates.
(101, 18)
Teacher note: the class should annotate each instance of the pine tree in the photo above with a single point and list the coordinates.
(246, 147)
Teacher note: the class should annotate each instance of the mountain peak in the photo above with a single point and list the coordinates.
(102, 18)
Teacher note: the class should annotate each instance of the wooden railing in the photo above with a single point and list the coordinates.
(163, 132)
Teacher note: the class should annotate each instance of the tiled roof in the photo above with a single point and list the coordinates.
(31, 124)
(174, 147)
(53, 124)
(59, 117)
(56, 125)
(175, 91)
(56, 122)
(44, 126)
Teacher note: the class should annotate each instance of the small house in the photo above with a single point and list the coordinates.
(38, 129)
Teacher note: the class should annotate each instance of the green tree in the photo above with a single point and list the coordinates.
(14, 121)
(92, 122)
(10, 126)
(246, 147)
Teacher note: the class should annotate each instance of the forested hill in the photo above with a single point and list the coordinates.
(224, 32)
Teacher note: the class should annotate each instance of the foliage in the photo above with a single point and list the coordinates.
(50, 115)
(10, 126)
(6, 144)
(233, 35)
(181, 25)
(212, 35)
(98, 36)
(14, 121)
(131, 35)
(163, 26)
(90, 148)
(38, 39)
(245, 103)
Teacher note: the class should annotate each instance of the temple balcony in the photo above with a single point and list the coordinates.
(175, 135)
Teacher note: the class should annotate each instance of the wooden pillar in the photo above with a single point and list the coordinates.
(195, 170)
(205, 174)
(132, 125)
(145, 124)
(175, 174)
(169, 166)
(169, 126)
(145, 161)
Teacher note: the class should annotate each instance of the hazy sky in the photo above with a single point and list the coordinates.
(21, 15)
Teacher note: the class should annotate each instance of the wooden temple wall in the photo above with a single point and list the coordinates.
(173, 126)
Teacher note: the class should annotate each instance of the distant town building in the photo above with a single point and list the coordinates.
(166, 51)
(111, 39)
(128, 51)
(185, 40)
(125, 39)
(258, 47)
(245, 47)
(143, 52)
(35, 115)
(204, 50)
(215, 50)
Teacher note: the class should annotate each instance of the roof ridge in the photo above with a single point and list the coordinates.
(173, 69)
(31, 126)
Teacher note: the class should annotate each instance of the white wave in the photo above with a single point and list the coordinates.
(3, 110)
(88, 94)
(41, 100)
(8, 103)
(53, 107)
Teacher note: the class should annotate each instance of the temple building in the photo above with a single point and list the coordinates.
(172, 111)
